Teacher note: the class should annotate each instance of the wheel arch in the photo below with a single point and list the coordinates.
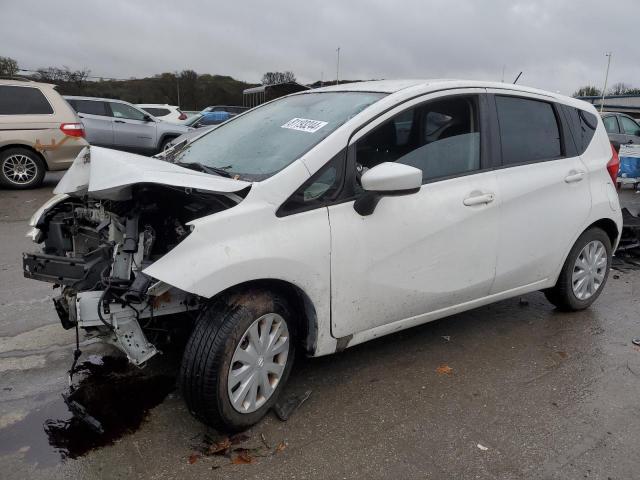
(304, 309)
(26, 147)
(164, 137)
(609, 227)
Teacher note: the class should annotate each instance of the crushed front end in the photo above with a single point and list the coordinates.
(95, 250)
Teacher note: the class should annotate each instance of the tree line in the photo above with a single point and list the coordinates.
(187, 89)
(620, 88)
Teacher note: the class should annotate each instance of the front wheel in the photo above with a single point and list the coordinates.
(238, 359)
(584, 273)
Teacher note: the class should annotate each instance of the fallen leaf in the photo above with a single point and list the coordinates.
(281, 446)
(444, 370)
(193, 458)
(242, 458)
(483, 448)
(563, 354)
(220, 446)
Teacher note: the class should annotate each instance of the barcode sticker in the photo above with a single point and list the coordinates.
(304, 125)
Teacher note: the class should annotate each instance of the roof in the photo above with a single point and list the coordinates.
(24, 82)
(75, 97)
(393, 86)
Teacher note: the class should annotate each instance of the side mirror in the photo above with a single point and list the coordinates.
(386, 179)
(147, 118)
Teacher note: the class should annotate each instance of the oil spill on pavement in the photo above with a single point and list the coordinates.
(113, 392)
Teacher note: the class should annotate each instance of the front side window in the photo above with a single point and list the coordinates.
(262, 142)
(122, 110)
(90, 107)
(441, 138)
(23, 101)
(629, 126)
(611, 124)
(529, 130)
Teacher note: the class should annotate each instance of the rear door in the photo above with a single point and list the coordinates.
(131, 131)
(97, 120)
(542, 185)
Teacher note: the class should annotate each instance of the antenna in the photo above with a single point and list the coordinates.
(517, 78)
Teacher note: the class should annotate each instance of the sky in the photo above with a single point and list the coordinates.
(559, 45)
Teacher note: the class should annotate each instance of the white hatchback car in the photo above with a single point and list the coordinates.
(324, 219)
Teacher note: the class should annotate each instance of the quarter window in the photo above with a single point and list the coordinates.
(121, 110)
(529, 130)
(441, 138)
(23, 101)
(629, 126)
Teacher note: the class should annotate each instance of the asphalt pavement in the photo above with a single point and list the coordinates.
(514, 390)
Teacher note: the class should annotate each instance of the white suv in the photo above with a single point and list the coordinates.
(166, 112)
(328, 218)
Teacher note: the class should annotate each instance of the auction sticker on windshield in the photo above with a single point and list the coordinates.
(304, 125)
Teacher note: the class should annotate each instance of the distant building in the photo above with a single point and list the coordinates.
(629, 104)
(252, 97)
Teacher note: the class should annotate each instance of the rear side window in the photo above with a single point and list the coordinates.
(90, 107)
(529, 130)
(23, 101)
(611, 124)
(157, 112)
(583, 126)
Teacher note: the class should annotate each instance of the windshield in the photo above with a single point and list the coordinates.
(262, 142)
(193, 120)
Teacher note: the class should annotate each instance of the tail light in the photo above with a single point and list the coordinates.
(73, 129)
(183, 116)
(613, 165)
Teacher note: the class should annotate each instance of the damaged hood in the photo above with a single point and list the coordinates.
(110, 174)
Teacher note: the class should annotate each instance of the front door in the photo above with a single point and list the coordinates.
(131, 130)
(426, 251)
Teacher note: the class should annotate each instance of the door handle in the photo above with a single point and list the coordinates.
(478, 198)
(80, 116)
(574, 176)
(119, 121)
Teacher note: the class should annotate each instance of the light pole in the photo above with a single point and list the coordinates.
(606, 79)
(338, 66)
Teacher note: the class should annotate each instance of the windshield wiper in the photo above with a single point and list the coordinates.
(206, 168)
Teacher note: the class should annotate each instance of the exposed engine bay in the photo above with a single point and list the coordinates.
(95, 251)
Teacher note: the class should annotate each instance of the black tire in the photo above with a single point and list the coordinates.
(209, 351)
(562, 295)
(34, 161)
(164, 143)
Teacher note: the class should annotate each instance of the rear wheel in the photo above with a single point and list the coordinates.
(584, 273)
(238, 359)
(21, 168)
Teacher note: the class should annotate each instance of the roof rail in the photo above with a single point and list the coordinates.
(16, 77)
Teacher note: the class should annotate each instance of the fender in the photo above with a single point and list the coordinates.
(248, 242)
